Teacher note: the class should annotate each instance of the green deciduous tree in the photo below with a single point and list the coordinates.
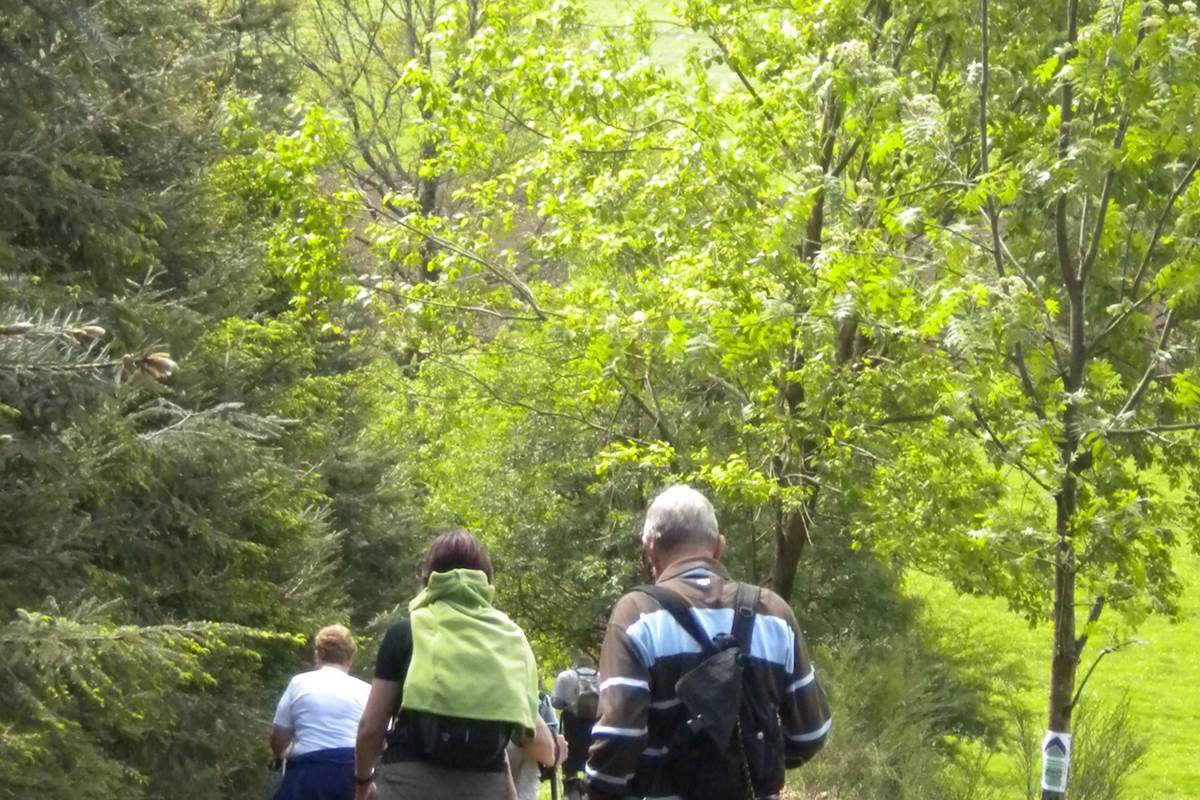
(1085, 190)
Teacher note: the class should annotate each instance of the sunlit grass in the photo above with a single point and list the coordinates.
(1160, 678)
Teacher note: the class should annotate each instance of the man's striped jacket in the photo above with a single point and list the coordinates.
(646, 651)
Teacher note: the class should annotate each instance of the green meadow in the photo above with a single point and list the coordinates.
(1160, 677)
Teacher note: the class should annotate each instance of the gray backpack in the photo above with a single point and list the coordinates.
(587, 700)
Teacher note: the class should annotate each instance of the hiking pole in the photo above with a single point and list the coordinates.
(554, 767)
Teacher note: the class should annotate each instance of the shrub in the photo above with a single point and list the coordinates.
(1106, 751)
(908, 725)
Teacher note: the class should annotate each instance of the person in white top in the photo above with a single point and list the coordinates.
(316, 722)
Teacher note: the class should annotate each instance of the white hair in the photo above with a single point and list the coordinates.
(680, 515)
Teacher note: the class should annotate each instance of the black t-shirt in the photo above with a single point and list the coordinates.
(395, 654)
(479, 744)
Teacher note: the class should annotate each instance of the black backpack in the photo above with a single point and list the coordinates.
(729, 743)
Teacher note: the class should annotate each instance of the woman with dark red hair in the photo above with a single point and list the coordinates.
(458, 681)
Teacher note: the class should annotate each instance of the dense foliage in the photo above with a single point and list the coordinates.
(165, 535)
(285, 287)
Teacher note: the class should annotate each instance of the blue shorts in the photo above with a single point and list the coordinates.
(319, 775)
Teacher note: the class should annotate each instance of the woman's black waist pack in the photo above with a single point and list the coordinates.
(464, 745)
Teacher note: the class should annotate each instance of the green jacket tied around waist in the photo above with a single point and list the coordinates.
(469, 659)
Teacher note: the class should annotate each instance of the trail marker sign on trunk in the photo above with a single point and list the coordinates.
(1056, 761)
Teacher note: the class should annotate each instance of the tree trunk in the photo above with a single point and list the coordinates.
(790, 466)
(791, 536)
(427, 187)
(427, 197)
(1065, 656)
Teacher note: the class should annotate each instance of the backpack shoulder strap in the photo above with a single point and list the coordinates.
(674, 605)
(745, 608)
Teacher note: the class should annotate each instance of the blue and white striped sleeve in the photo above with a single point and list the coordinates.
(803, 710)
(620, 735)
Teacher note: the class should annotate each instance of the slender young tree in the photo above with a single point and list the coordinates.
(1095, 242)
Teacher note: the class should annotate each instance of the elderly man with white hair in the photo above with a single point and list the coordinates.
(654, 639)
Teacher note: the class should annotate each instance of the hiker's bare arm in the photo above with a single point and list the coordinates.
(372, 726)
(541, 747)
(280, 737)
(281, 740)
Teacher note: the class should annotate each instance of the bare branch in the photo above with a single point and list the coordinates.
(655, 417)
(541, 412)
(992, 212)
(1035, 400)
(1093, 615)
(1066, 262)
(400, 295)
(1012, 461)
(740, 74)
(1085, 264)
(840, 167)
(1161, 225)
(1099, 656)
(503, 273)
(1093, 248)
(1144, 384)
(1149, 429)
(900, 419)
(1116, 322)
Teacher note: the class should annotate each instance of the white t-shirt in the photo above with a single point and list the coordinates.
(322, 708)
